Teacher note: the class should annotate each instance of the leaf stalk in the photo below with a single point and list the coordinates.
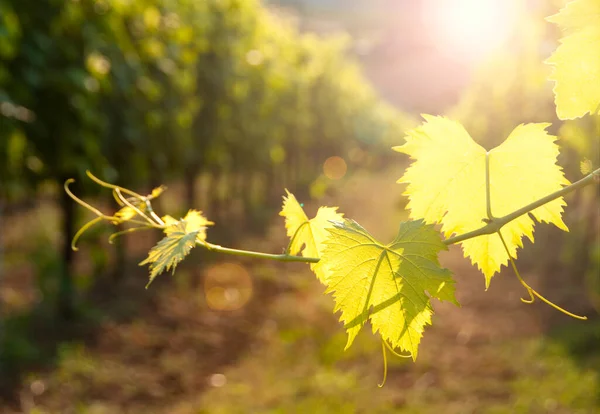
(259, 255)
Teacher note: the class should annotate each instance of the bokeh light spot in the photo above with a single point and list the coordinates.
(218, 380)
(356, 155)
(277, 154)
(227, 287)
(334, 168)
(38, 387)
(254, 57)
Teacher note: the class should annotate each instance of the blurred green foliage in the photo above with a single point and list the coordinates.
(148, 90)
(151, 91)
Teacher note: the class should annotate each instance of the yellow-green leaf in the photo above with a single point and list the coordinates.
(180, 237)
(169, 221)
(196, 222)
(170, 250)
(156, 192)
(307, 236)
(125, 214)
(446, 184)
(390, 285)
(577, 60)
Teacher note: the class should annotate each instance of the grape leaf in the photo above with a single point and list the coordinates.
(576, 61)
(195, 222)
(308, 235)
(446, 184)
(180, 237)
(390, 285)
(169, 221)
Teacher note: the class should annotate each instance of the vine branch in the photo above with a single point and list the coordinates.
(493, 226)
(497, 223)
(247, 253)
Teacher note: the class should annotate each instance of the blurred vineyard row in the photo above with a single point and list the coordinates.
(150, 92)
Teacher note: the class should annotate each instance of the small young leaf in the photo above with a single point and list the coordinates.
(307, 236)
(577, 60)
(169, 221)
(446, 184)
(196, 222)
(170, 250)
(125, 214)
(156, 192)
(180, 237)
(390, 285)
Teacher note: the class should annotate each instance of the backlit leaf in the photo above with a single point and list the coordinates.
(180, 237)
(156, 192)
(390, 285)
(196, 222)
(577, 60)
(169, 221)
(125, 214)
(308, 235)
(446, 184)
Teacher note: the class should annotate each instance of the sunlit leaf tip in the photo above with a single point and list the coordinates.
(307, 236)
(388, 285)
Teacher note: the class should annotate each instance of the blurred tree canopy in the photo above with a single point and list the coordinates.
(148, 90)
(144, 91)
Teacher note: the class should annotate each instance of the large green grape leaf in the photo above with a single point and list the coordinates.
(577, 60)
(180, 237)
(390, 285)
(446, 184)
(308, 236)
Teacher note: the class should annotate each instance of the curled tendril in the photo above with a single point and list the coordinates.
(113, 236)
(385, 365)
(82, 230)
(83, 203)
(113, 187)
(139, 204)
(389, 347)
(532, 292)
(134, 208)
(384, 348)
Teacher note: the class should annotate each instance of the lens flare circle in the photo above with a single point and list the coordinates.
(334, 168)
(227, 287)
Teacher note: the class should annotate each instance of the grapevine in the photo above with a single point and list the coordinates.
(487, 201)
